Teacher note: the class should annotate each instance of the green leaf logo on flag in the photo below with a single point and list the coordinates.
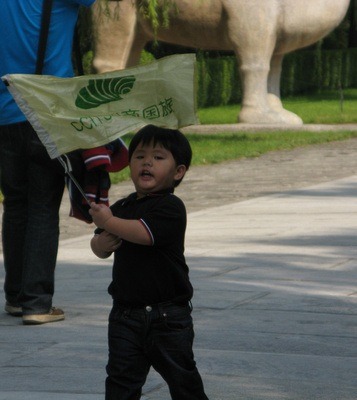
(102, 91)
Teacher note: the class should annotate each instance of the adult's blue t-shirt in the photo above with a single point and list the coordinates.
(19, 33)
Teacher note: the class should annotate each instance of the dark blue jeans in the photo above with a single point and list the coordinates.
(160, 336)
(32, 185)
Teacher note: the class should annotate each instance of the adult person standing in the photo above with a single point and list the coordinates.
(32, 183)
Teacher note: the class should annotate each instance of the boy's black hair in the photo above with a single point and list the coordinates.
(172, 140)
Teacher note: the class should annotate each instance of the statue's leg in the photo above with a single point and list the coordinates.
(274, 81)
(255, 106)
(252, 33)
(138, 43)
(252, 29)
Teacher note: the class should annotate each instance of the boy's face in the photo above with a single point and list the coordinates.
(154, 169)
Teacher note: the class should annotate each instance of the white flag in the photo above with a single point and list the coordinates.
(92, 110)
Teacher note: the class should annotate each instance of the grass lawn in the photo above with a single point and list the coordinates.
(324, 108)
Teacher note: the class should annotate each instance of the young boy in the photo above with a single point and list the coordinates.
(150, 323)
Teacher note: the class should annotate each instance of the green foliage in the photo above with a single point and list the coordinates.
(156, 11)
(203, 81)
(149, 9)
(146, 58)
(217, 81)
(306, 71)
(87, 61)
(313, 71)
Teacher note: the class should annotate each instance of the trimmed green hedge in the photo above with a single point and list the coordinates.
(304, 71)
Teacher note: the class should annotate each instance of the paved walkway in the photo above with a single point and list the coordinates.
(274, 307)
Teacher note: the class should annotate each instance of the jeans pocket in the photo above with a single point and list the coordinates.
(116, 314)
(178, 321)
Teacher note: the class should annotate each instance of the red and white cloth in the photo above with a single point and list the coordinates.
(91, 169)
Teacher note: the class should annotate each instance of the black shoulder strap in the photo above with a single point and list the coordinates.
(45, 25)
(42, 44)
(77, 50)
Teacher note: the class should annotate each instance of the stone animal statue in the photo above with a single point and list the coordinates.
(260, 32)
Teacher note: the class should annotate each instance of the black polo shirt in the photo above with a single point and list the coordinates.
(154, 274)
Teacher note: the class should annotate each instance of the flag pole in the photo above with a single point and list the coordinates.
(68, 170)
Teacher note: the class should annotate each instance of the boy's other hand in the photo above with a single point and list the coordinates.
(107, 242)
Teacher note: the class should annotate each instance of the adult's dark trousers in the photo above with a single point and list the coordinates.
(160, 336)
(32, 185)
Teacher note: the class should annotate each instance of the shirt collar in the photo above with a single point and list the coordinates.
(133, 196)
(160, 193)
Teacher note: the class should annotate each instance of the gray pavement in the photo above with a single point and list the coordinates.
(274, 306)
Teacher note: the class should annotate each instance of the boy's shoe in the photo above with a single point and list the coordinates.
(12, 309)
(54, 315)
